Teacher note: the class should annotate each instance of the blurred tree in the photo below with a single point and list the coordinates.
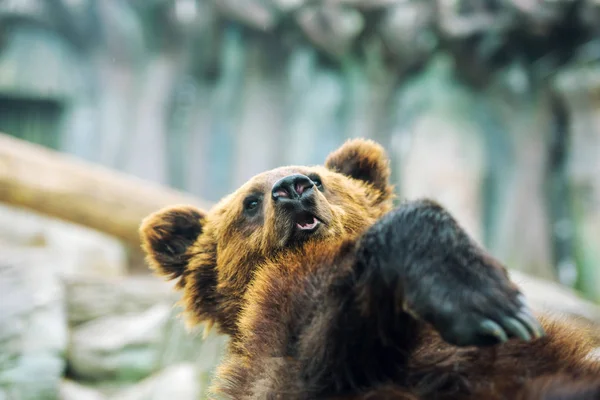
(489, 133)
(488, 105)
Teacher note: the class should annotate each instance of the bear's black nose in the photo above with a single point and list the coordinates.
(291, 187)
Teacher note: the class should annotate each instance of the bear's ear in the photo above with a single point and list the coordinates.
(166, 237)
(364, 160)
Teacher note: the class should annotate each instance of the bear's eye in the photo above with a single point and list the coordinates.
(251, 204)
(317, 181)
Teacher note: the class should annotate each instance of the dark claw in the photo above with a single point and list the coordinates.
(527, 317)
(494, 329)
(517, 328)
(532, 324)
(523, 301)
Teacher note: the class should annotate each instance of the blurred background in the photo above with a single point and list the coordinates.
(111, 109)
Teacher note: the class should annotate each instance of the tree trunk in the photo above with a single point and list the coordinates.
(580, 88)
(60, 186)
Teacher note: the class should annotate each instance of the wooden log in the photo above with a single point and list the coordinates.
(64, 187)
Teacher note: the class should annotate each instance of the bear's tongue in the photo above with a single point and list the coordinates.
(307, 222)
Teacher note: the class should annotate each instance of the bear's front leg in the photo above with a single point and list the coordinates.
(436, 273)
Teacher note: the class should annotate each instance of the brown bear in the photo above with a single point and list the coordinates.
(328, 291)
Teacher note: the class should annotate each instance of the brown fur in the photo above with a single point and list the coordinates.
(286, 306)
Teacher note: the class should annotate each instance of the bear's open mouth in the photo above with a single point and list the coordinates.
(306, 222)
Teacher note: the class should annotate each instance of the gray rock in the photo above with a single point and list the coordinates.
(33, 327)
(82, 251)
(32, 377)
(70, 390)
(94, 297)
(210, 354)
(179, 382)
(551, 298)
(123, 348)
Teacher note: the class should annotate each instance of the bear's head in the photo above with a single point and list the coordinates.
(215, 254)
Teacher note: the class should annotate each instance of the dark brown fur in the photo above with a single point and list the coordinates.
(366, 306)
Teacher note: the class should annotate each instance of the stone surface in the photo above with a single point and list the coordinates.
(82, 251)
(127, 328)
(33, 327)
(549, 297)
(179, 382)
(70, 390)
(32, 377)
(123, 348)
(93, 297)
